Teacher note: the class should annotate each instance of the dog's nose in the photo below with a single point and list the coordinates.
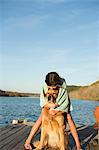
(49, 98)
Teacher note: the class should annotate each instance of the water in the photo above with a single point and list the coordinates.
(28, 108)
(18, 107)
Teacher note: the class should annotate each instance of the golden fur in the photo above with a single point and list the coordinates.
(52, 130)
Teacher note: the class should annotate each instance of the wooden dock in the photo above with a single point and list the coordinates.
(12, 137)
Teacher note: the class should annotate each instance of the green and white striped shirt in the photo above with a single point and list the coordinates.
(62, 99)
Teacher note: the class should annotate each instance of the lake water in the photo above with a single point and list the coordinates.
(28, 108)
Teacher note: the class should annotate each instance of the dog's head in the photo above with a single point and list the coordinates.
(52, 94)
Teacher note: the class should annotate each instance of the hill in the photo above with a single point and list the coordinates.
(72, 88)
(90, 92)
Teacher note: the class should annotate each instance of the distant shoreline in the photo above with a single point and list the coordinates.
(89, 92)
(33, 97)
(17, 94)
(83, 99)
(23, 96)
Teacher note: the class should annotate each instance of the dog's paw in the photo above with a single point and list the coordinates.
(39, 147)
(36, 143)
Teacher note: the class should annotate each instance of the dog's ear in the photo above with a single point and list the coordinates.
(48, 88)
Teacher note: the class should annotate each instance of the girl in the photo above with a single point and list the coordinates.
(62, 104)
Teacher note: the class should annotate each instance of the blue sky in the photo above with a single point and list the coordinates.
(38, 36)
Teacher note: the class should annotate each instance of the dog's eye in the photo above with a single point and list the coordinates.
(54, 93)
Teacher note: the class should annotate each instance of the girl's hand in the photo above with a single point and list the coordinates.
(27, 146)
(79, 147)
(51, 105)
(53, 112)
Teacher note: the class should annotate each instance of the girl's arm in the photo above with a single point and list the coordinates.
(33, 131)
(73, 131)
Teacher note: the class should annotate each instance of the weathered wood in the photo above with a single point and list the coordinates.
(18, 138)
(12, 130)
(13, 137)
(5, 129)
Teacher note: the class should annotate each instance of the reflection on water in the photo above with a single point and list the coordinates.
(28, 108)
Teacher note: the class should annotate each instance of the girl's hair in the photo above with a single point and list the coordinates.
(53, 79)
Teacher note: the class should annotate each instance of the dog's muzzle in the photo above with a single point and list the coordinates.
(51, 98)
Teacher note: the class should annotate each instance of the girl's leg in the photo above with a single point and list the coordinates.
(33, 131)
(73, 131)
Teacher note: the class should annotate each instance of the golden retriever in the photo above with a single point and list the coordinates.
(53, 126)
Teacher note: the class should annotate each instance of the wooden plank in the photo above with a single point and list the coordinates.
(12, 136)
(86, 135)
(81, 127)
(94, 143)
(3, 128)
(86, 132)
(9, 129)
(12, 130)
(16, 138)
(18, 143)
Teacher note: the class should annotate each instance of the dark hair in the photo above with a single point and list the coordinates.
(53, 79)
